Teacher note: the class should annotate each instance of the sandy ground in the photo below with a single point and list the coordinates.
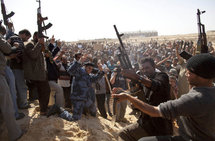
(41, 128)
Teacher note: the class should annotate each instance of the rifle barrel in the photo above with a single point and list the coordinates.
(126, 63)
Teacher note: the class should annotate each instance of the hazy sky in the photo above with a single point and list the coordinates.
(89, 19)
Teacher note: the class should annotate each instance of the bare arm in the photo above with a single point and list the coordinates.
(177, 53)
(131, 74)
(150, 110)
(162, 61)
(113, 78)
(59, 56)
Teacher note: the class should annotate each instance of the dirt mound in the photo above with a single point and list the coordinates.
(56, 129)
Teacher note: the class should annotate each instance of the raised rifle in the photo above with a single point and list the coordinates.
(124, 61)
(202, 38)
(40, 22)
(5, 15)
(122, 55)
(42, 27)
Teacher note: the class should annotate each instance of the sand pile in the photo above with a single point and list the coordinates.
(56, 129)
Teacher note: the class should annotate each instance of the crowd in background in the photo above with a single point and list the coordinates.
(38, 70)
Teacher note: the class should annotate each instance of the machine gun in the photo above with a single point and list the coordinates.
(122, 55)
(5, 15)
(42, 27)
(202, 38)
(40, 22)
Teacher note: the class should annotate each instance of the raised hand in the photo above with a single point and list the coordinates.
(120, 97)
(16, 44)
(52, 41)
(116, 90)
(100, 66)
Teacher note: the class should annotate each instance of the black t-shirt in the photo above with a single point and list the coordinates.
(159, 92)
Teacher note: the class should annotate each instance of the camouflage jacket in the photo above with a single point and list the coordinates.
(82, 81)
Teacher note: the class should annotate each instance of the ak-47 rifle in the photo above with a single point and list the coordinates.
(4, 14)
(42, 27)
(122, 55)
(40, 21)
(202, 38)
(124, 61)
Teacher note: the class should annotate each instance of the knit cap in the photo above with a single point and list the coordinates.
(202, 65)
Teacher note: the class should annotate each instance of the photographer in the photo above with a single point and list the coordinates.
(119, 83)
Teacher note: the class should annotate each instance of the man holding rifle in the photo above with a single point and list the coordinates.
(194, 110)
(156, 90)
(34, 70)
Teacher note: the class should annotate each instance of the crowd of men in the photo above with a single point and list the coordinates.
(79, 78)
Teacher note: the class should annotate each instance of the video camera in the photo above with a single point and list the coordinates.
(185, 55)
